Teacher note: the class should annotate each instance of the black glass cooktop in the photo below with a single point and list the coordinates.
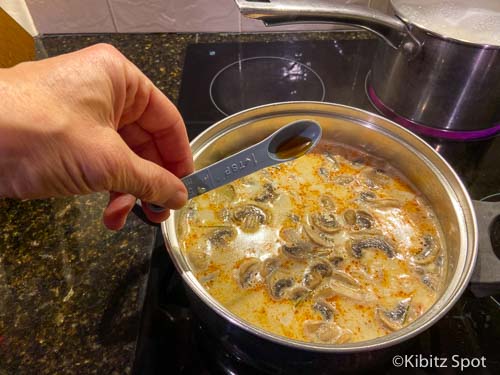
(221, 79)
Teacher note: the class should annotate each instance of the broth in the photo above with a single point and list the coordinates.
(333, 247)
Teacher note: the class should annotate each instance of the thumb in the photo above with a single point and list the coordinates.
(149, 182)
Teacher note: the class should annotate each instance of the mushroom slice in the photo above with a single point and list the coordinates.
(326, 222)
(270, 265)
(359, 219)
(344, 285)
(430, 280)
(299, 251)
(326, 332)
(394, 319)
(364, 220)
(332, 161)
(378, 243)
(385, 203)
(320, 238)
(198, 258)
(269, 194)
(278, 283)
(250, 217)
(327, 203)
(222, 236)
(374, 178)
(325, 309)
(343, 180)
(249, 273)
(316, 273)
(312, 280)
(367, 196)
(297, 293)
(322, 267)
(430, 251)
(290, 235)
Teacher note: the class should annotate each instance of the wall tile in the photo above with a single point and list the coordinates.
(71, 16)
(193, 16)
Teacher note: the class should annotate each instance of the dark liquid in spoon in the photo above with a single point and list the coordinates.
(296, 146)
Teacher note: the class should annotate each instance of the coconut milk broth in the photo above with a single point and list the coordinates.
(333, 247)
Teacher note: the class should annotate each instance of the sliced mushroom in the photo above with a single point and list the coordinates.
(299, 251)
(278, 283)
(394, 319)
(268, 194)
(270, 265)
(322, 267)
(341, 283)
(319, 237)
(431, 281)
(312, 279)
(325, 309)
(326, 222)
(222, 236)
(367, 196)
(324, 173)
(290, 235)
(326, 332)
(430, 251)
(333, 164)
(198, 258)
(358, 219)
(249, 273)
(364, 220)
(350, 217)
(343, 180)
(385, 203)
(374, 178)
(297, 293)
(316, 272)
(327, 203)
(378, 243)
(250, 217)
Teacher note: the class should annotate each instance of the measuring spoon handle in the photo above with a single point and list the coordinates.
(229, 169)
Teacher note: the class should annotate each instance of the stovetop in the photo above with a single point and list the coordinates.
(221, 79)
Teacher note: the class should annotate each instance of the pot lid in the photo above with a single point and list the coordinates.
(468, 21)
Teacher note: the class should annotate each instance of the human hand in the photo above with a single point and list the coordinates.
(90, 121)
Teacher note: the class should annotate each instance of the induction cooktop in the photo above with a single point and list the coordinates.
(220, 79)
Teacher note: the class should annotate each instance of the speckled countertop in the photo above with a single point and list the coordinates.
(71, 291)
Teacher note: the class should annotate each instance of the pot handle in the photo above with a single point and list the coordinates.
(485, 280)
(137, 210)
(281, 12)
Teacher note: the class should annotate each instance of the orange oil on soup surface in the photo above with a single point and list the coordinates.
(333, 247)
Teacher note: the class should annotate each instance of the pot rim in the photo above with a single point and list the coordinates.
(464, 206)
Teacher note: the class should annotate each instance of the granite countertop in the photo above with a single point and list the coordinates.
(71, 291)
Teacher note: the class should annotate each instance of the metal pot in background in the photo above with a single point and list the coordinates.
(423, 166)
(428, 81)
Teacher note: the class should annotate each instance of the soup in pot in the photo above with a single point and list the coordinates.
(333, 247)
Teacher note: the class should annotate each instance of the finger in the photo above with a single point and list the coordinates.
(163, 121)
(117, 210)
(141, 142)
(146, 180)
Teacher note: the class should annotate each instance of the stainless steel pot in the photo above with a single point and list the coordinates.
(425, 168)
(429, 82)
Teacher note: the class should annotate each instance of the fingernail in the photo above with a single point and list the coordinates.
(155, 208)
(178, 200)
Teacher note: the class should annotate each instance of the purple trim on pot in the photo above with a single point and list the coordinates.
(426, 130)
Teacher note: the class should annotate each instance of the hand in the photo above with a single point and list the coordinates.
(90, 121)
